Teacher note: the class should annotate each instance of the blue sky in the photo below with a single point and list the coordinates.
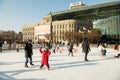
(16, 13)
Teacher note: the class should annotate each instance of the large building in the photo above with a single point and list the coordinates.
(104, 16)
(28, 31)
(36, 32)
(60, 28)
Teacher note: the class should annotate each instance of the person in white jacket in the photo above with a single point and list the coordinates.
(102, 50)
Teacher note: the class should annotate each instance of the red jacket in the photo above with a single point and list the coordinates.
(45, 56)
(116, 47)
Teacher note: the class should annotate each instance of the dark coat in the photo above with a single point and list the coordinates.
(28, 50)
(85, 47)
(1, 44)
(71, 47)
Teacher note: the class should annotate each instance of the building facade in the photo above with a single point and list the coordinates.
(104, 16)
(31, 31)
(28, 32)
(110, 27)
(60, 28)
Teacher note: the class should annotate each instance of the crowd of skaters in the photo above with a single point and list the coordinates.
(47, 48)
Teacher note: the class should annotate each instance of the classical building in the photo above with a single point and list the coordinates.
(29, 31)
(36, 32)
(61, 27)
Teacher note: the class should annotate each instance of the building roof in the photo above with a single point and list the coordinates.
(95, 6)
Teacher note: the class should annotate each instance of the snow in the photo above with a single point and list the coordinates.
(63, 67)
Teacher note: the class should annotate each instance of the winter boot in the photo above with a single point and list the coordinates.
(26, 65)
(86, 60)
(31, 64)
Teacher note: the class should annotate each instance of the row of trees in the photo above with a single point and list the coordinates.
(94, 36)
(11, 36)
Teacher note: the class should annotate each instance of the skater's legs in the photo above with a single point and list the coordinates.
(26, 62)
(48, 67)
(86, 56)
(41, 66)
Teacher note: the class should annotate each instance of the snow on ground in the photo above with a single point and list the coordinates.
(63, 67)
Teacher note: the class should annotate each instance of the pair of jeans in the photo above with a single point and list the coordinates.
(27, 60)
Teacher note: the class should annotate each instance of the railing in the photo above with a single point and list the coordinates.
(13, 46)
(21, 46)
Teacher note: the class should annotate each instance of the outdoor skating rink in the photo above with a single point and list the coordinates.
(63, 67)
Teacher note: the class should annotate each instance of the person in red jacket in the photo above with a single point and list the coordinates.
(116, 47)
(45, 57)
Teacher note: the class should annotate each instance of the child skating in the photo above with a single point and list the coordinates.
(45, 57)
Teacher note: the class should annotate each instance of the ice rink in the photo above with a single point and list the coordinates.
(63, 67)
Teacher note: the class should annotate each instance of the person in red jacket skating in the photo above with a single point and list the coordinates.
(45, 57)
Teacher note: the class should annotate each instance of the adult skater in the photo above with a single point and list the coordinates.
(28, 53)
(102, 50)
(85, 48)
(1, 46)
(17, 47)
(70, 49)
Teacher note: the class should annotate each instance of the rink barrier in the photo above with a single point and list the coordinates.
(12, 46)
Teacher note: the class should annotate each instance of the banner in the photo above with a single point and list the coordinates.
(42, 29)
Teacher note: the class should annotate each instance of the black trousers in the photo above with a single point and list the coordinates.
(86, 55)
(46, 65)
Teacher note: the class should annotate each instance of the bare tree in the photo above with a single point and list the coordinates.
(10, 36)
(94, 36)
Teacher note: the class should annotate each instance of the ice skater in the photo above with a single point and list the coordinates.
(54, 48)
(28, 53)
(17, 47)
(1, 46)
(118, 52)
(70, 49)
(102, 50)
(45, 57)
(85, 48)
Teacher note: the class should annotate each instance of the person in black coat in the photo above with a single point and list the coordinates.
(1, 46)
(85, 48)
(71, 49)
(28, 53)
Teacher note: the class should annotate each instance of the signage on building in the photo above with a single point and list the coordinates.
(76, 5)
(42, 30)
